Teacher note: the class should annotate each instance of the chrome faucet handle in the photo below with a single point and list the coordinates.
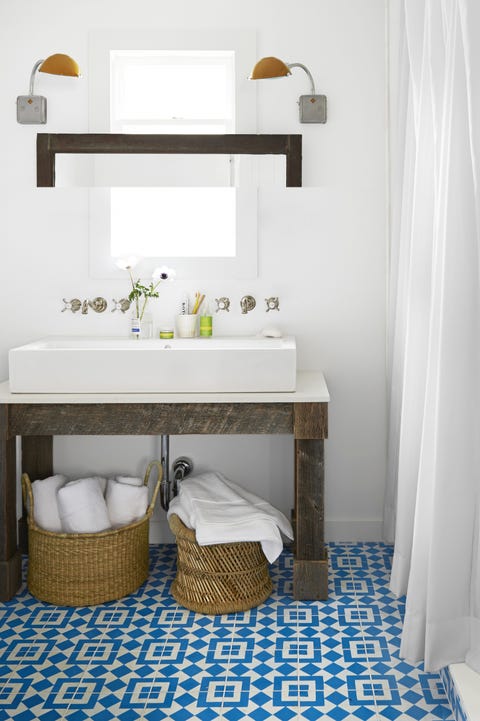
(223, 303)
(247, 303)
(98, 304)
(74, 305)
(272, 303)
(123, 304)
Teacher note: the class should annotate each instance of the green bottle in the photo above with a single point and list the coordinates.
(206, 323)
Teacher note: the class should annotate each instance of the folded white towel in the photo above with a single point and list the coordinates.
(45, 508)
(130, 480)
(82, 507)
(220, 511)
(126, 503)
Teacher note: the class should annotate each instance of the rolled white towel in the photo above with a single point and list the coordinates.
(45, 508)
(126, 503)
(129, 480)
(82, 507)
(101, 480)
(103, 483)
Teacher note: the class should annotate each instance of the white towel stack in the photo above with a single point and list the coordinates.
(82, 507)
(45, 508)
(220, 511)
(88, 505)
(126, 499)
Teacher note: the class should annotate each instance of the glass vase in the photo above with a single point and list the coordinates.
(141, 329)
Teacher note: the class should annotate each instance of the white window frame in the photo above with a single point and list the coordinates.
(244, 264)
(120, 60)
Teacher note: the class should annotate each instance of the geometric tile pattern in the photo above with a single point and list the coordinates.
(453, 696)
(145, 657)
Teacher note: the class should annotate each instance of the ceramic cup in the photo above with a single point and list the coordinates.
(187, 326)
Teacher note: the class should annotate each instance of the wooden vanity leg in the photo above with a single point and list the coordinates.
(37, 461)
(310, 565)
(10, 557)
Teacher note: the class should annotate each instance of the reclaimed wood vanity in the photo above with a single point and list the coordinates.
(36, 418)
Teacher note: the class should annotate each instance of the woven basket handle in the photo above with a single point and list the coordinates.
(158, 466)
(27, 494)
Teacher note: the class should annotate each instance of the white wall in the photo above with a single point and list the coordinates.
(321, 249)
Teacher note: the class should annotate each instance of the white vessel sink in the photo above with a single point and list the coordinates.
(115, 365)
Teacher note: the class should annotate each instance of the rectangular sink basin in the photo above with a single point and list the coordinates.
(116, 365)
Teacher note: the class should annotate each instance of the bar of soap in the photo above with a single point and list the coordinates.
(271, 333)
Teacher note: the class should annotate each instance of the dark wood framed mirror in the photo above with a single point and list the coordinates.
(51, 144)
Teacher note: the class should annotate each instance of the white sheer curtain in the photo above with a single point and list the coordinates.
(433, 488)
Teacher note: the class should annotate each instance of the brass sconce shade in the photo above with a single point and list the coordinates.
(269, 68)
(31, 108)
(313, 107)
(60, 64)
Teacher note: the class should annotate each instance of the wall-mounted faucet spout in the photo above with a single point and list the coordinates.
(247, 303)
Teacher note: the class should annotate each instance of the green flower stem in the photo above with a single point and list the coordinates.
(133, 289)
(142, 291)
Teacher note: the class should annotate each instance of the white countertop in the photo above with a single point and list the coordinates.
(311, 388)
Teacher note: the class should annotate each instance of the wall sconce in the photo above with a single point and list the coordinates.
(313, 107)
(32, 109)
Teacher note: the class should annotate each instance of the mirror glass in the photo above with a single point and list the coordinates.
(169, 170)
(201, 232)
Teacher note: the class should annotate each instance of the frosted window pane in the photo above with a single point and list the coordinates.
(152, 222)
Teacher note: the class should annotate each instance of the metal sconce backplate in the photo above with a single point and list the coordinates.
(312, 108)
(31, 109)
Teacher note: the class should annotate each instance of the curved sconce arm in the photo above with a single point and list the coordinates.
(310, 77)
(32, 76)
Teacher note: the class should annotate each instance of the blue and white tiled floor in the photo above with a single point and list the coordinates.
(144, 657)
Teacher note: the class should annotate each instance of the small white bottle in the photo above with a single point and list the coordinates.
(185, 306)
(135, 328)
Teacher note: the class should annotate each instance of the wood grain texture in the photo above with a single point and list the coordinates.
(10, 576)
(8, 499)
(45, 162)
(37, 456)
(49, 144)
(294, 161)
(310, 420)
(5, 431)
(37, 461)
(150, 418)
(309, 499)
(310, 580)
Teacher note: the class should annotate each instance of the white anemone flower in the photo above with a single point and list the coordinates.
(163, 273)
(128, 262)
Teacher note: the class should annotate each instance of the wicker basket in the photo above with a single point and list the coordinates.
(85, 569)
(222, 578)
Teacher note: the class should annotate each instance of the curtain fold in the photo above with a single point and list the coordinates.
(433, 486)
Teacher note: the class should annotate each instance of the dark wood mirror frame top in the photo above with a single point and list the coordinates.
(50, 144)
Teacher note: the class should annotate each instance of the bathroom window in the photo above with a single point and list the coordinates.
(188, 211)
(172, 92)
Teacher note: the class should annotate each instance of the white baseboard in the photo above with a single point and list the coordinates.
(352, 530)
(160, 532)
